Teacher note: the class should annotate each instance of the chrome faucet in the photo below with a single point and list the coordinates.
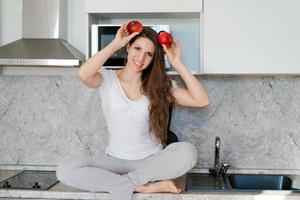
(217, 152)
(220, 168)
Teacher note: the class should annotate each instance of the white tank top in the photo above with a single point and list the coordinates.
(127, 121)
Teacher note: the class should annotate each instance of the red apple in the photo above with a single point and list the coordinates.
(134, 26)
(165, 38)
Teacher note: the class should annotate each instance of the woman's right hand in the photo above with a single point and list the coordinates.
(122, 37)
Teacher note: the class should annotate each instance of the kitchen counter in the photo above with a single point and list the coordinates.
(61, 191)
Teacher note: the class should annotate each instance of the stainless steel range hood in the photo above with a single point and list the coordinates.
(44, 32)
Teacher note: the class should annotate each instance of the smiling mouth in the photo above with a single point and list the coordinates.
(138, 64)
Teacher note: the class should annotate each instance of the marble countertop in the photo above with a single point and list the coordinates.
(61, 191)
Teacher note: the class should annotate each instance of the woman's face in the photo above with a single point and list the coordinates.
(140, 54)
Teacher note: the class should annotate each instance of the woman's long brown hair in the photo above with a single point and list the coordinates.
(156, 85)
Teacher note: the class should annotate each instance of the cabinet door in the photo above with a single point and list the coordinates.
(251, 36)
(139, 6)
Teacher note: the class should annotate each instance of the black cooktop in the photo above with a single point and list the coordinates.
(28, 179)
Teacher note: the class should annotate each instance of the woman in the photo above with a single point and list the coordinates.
(135, 103)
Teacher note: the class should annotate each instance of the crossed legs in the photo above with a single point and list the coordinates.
(153, 174)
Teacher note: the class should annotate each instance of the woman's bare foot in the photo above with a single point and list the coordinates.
(160, 186)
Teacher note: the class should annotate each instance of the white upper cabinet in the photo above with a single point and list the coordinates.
(139, 6)
(251, 36)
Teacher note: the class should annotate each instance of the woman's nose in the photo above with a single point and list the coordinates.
(141, 57)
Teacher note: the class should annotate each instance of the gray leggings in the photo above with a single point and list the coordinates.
(104, 173)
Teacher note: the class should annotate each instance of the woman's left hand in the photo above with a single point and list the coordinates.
(173, 53)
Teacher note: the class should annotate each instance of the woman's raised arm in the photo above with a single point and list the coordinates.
(195, 94)
(89, 72)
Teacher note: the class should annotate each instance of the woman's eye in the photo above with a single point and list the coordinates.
(150, 55)
(137, 48)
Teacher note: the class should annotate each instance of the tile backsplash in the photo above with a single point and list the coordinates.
(46, 119)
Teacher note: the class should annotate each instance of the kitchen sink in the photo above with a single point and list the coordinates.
(202, 181)
(260, 182)
(219, 180)
(238, 182)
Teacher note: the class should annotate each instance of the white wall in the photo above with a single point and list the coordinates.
(11, 20)
(63, 21)
(0, 22)
(77, 24)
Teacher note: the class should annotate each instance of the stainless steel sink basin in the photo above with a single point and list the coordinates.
(206, 182)
(260, 182)
(238, 182)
